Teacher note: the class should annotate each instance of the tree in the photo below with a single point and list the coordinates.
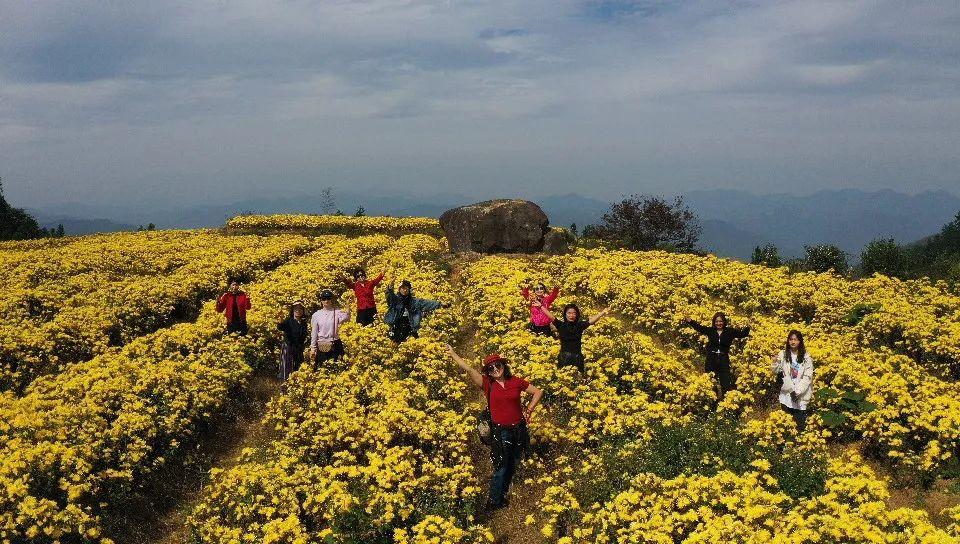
(327, 203)
(825, 257)
(361, 211)
(647, 222)
(15, 223)
(882, 256)
(151, 226)
(767, 255)
(573, 229)
(61, 232)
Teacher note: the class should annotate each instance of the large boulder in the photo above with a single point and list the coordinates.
(496, 226)
(557, 242)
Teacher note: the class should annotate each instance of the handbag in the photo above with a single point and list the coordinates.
(327, 347)
(484, 421)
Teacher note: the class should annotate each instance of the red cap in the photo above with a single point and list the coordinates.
(492, 358)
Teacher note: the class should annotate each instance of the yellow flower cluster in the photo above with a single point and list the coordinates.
(82, 296)
(643, 371)
(335, 224)
(891, 340)
(370, 449)
(727, 507)
(78, 441)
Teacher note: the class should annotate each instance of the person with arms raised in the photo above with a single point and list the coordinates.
(570, 330)
(508, 417)
(539, 322)
(234, 305)
(363, 290)
(720, 337)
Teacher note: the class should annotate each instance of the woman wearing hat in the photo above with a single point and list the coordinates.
(294, 329)
(325, 325)
(508, 419)
(405, 311)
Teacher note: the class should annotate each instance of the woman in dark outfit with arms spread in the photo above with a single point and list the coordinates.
(570, 330)
(719, 338)
(508, 419)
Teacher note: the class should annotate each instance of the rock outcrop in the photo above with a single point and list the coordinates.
(496, 226)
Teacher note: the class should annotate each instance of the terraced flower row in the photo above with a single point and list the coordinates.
(67, 304)
(78, 442)
(373, 449)
(334, 224)
(602, 439)
(881, 337)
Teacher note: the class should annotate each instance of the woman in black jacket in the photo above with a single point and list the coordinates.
(719, 338)
(295, 337)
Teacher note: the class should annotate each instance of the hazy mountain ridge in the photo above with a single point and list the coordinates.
(734, 221)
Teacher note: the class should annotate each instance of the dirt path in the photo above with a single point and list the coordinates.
(159, 514)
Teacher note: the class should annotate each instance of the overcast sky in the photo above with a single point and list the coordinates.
(180, 102)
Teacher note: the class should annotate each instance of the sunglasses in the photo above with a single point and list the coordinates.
(494, 366)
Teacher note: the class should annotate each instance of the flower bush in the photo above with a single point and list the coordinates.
(336, 224)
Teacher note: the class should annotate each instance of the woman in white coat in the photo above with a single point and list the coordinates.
(795, 365)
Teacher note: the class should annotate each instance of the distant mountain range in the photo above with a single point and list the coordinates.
(734, 222)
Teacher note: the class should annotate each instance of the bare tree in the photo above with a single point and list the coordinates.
(328, 204)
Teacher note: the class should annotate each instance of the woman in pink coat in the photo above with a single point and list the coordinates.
(539, 321)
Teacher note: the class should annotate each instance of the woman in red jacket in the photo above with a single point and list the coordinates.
(363, 289)
(508, 419)
(234, 305)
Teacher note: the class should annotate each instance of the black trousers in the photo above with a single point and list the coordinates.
(365, 317)
(238, 327)
(799, 416)
(506, 450)
(719, 364)
(335, 354)
(568, 358)
(401, 330)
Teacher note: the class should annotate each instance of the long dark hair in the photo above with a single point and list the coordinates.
(568, 307)
(721, 315)
(801, 349)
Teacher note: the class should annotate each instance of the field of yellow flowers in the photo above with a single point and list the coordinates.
(334, 224)
(599, 444)
(381, 448)
(68, 304)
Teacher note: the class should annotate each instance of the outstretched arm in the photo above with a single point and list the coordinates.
(599, 316)
(545, 310)
(744, 332)
(376, 281)
(473, 373)
(537, 395)
(548, 300)
(687, 322)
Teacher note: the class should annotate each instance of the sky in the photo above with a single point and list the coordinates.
(175, 103)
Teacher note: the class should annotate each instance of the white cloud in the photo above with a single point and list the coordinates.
(679, 93)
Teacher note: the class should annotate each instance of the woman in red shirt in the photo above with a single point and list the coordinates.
(508, 419)
(363, 289)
